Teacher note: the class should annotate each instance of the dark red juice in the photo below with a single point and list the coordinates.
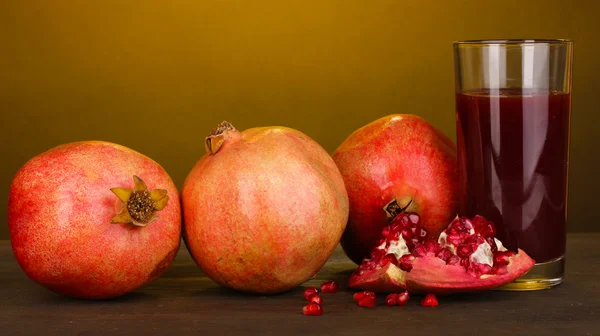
(513, 158)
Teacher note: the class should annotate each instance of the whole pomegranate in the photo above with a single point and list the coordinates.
(263, 209)
(465, 258)
(84, 224)
(394, 164)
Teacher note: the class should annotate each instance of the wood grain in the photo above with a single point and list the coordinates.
(184, 301)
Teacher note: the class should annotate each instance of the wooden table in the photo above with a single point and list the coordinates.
(184, 301)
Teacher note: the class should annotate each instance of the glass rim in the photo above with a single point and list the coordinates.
(511, 42)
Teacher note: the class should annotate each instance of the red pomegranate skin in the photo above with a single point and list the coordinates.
(60, 212)
(398, 157)
(264, 213)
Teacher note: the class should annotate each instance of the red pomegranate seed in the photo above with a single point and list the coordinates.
(454, 260)
(503, 257)
(402, 298)
(367, 301)
(329, 287)
(444, 254)
(432, 246)
(420, 251)
(359, 295)
(309, 291)
(312, 309)
(464, 251)
(386, 231)
(414, 218)
(429, 301)
(315, 298)
(406, 262)
(391, 300)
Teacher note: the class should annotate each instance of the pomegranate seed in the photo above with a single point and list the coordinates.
(386, 231)
(359, 295)
(377, 254)
(492, 243)
(466, 224)
(422, 233)
(432, 246)
(309, 291)
(479, 223)
(464, 251)
(484, 268)
(406, 262)
(414, 218)
(393, 236)
(367, 301)
(371, 264)
(444, 254)
(329, 287)
(503, 257)
(315, 298)
(429, 301)
(403, 298)
(391, 300)
(407, 235)
(454, 260)
(312, 309)
(404, 221)
(420, 251)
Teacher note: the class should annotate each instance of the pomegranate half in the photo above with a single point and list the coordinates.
(93, 219)
(263, 209)
(394, 164)
(465, 258)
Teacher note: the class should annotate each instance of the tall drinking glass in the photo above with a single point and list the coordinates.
(513, 107)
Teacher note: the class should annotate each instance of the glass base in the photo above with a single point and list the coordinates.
(541, 276)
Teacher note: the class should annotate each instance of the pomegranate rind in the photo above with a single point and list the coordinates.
(431, 275)
(387, 279)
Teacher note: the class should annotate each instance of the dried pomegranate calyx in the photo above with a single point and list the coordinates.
(139, 204)
(215, 139)
(398, 206)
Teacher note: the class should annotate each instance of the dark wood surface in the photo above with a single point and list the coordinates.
(184, 301)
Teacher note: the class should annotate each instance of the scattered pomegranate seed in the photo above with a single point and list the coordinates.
(367, 301)
(315, 298)
(391, 300)
(312, 309)
(309, 291)
(429, 301)
(359, 295)
(402, 298)
(329, 287)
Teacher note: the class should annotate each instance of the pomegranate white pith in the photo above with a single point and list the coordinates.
(465, 258)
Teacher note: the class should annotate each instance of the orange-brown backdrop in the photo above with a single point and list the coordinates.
(156, 76)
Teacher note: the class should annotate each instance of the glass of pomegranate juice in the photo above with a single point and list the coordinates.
(513, 106)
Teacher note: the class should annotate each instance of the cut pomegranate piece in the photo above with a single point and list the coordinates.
(312, 309)
(315, 298)
(429, 301)
(329, 287)
(309, 291)
(465, 258)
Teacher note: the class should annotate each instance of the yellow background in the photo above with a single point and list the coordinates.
(156, 76)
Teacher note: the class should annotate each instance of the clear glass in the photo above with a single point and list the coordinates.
(513, 107)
